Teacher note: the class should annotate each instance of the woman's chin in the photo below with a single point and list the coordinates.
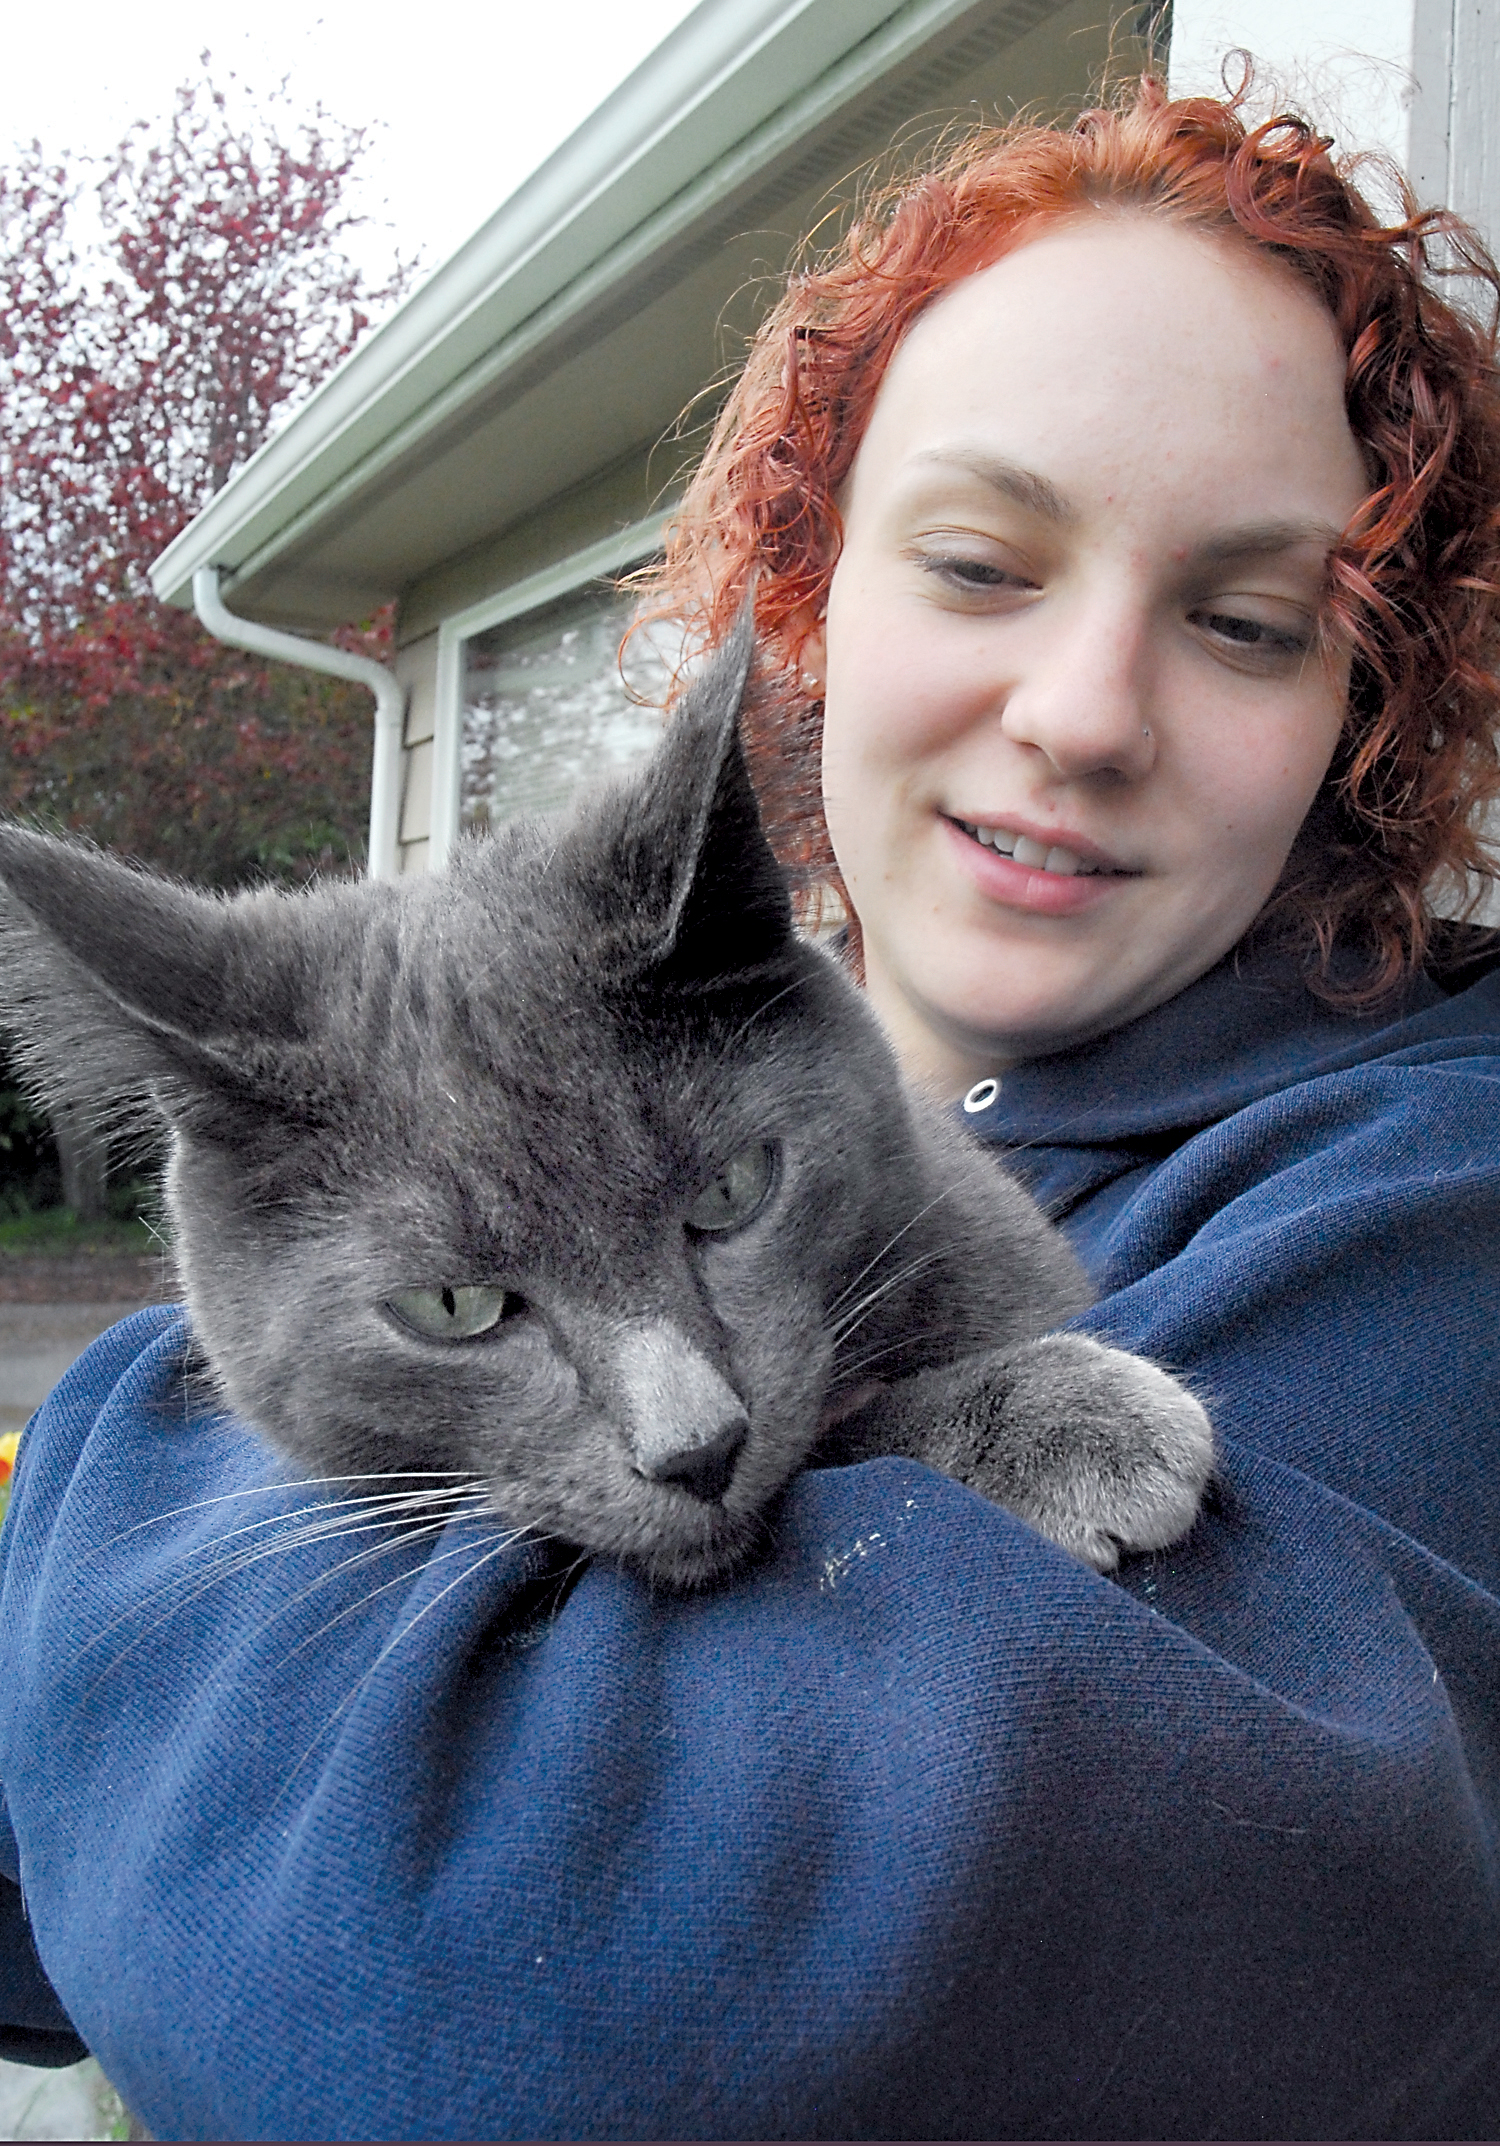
(1025, 1010)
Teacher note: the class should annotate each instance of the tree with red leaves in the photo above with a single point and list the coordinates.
(154, 324)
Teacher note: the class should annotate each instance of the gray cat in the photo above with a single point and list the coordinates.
(575, 1171)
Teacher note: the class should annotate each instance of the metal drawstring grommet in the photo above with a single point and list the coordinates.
(981, 1095)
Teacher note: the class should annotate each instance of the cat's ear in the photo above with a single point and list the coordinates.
(719, 904)
(117, 984)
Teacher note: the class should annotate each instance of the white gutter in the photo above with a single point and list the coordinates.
(390, 705)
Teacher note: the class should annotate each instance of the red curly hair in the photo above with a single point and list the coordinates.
(1411, 587)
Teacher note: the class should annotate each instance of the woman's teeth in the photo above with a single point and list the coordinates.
(1064, 862)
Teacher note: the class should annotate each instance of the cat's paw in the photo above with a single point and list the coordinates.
(1101, 1451)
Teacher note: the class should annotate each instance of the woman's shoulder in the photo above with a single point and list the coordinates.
(1392, 1116)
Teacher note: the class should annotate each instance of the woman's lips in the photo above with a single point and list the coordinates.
(1070, 880)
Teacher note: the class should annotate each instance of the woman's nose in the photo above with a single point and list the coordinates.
(1083, 696)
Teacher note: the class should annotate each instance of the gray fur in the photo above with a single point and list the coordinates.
(523, 1072)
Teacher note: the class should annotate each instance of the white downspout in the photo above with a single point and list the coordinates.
(390, 702)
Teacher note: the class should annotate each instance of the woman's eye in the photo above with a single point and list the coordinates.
(1255, 635)
(972, 576)
(735, 1191)
(453, 1313)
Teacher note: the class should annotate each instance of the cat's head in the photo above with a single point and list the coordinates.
(549, 1168)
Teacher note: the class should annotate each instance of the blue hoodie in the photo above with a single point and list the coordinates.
(919, 1829)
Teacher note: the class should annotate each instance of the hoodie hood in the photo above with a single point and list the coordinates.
(1082, 1120)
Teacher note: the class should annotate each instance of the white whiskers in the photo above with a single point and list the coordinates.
(270, 1490)
(485, 1557)
(889, 1246)
(433, 1529)
(892, 1348)
(396, 1517)
(846, 1317)
(857, 1313)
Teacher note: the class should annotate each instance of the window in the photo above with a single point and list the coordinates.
(530, 703)
(545, 709)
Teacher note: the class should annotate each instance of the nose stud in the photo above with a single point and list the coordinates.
(1145, 730)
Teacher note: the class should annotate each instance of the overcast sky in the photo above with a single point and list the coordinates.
(474, 97)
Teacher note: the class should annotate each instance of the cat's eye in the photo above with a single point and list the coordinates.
(453, 1313)
(736, 1190)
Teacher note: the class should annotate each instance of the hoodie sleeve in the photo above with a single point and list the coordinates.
(34, 2028)
(918, 1829)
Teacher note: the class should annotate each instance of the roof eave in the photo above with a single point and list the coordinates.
(716, 82)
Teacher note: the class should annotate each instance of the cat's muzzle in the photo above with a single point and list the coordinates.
(684, 1424)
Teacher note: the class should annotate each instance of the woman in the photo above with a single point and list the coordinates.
(1123, 506)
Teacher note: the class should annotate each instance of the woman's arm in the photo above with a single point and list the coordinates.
(921, 1829)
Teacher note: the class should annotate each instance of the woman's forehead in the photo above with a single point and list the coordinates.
(1114, 251)
(1129, 342)
(1124, 295)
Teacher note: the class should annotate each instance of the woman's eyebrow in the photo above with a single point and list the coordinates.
(1023, 486)
(1262, 540)
(1027, 488)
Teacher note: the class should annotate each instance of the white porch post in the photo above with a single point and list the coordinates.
(1419, 79)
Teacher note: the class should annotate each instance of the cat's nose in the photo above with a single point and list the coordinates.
(684, 1423)
(705, 1471)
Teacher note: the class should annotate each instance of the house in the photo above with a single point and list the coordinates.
(509, 440)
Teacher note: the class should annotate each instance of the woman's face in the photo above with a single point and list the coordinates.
(1076, 705)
